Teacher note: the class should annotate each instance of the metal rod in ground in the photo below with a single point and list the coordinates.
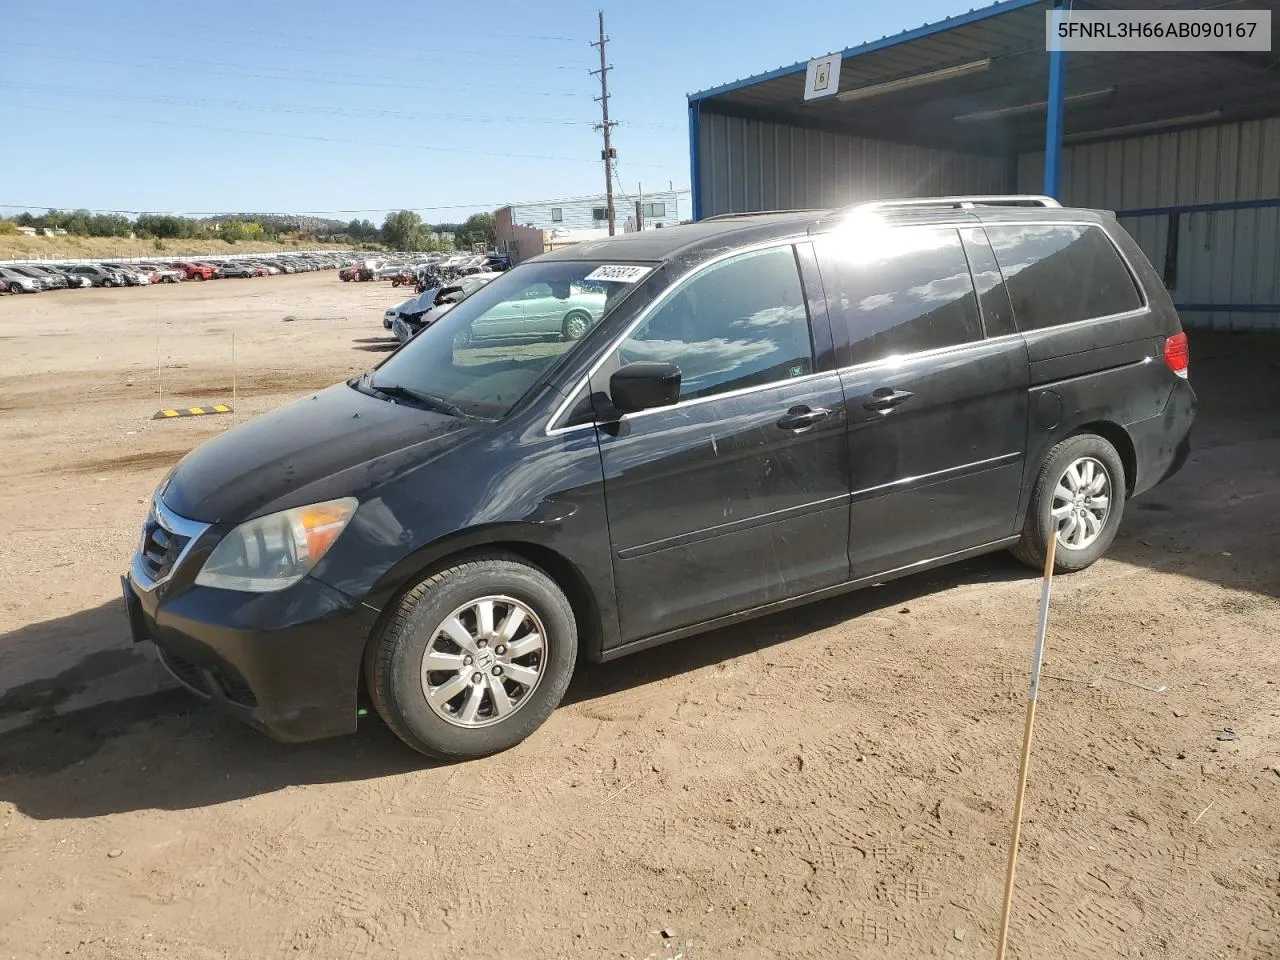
(233, 379)
(159, 382)
(1029, 725)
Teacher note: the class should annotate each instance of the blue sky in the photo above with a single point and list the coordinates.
(352, 109)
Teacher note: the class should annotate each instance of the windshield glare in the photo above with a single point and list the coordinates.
(485, 353)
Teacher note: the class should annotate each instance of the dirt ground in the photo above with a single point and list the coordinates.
(835, 781)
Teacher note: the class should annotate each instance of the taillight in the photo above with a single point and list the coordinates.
(1176, 354)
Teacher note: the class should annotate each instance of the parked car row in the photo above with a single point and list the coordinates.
(409, 269)
(36, 277)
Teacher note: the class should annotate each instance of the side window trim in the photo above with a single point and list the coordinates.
(821, 332)
(554, 425)
(1000, 321)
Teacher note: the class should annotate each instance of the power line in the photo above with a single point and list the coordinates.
(483, 205)
(432, 26)
(237, 70)
(343, 51)
(250, 105)
(318, 139)
(326, 110)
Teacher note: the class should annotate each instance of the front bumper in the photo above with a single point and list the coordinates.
(287, 663)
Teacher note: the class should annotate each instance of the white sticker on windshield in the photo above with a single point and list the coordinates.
(618, 273)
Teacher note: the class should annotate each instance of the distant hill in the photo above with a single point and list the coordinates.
(283, 221)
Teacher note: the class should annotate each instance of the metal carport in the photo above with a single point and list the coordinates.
(1184, 147)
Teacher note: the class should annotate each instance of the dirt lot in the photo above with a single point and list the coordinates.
(831, 782)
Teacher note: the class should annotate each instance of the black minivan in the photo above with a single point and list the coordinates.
(767, 409)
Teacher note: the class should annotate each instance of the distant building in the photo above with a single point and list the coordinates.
(27, 231)
(525, 230)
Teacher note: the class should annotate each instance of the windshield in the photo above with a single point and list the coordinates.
(484, 354)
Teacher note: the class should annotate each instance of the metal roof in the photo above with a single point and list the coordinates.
(997, 107)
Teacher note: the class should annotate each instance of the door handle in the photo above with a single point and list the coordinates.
(884, 399)
(802, 417)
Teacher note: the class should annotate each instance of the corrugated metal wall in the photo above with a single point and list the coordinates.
(1224, 257)
(748, 165)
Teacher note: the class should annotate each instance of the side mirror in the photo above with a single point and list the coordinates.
(640, 386)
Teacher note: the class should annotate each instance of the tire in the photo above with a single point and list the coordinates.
(394, 661)
(1081, 453)
(108, 282)
(575, 326)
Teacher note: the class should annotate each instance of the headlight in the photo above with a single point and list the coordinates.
(276, 551)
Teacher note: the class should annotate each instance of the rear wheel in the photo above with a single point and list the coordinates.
(1080, 496)
(474, 658)
(575, 325)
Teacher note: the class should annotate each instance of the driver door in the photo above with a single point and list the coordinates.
(737, 495)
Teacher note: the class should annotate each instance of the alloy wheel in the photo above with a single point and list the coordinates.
(1081, 503)
(483, 661)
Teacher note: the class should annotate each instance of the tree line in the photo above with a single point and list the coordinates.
(405, 230)
(402, 230)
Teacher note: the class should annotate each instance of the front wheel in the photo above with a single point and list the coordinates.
(474, 658)
(108, 282)
(1080, 496)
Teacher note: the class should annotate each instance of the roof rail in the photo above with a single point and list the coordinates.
(962, 203)
(751, 213)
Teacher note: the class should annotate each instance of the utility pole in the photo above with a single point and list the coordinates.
(608, 154)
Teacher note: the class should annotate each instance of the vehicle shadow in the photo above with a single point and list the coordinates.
(376, 344)
(165, 749)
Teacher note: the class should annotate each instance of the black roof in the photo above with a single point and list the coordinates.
(665, 243)
(694, 242)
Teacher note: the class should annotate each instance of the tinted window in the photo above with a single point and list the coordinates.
(898, 290)
(1061, 273)
(739, 323)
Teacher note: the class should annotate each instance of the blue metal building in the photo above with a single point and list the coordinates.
(1184, 147)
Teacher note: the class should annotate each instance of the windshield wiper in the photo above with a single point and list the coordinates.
(429, 400)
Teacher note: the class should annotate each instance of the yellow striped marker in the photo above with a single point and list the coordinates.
(192, 412)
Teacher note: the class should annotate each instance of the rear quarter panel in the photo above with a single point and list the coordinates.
(1105, 371)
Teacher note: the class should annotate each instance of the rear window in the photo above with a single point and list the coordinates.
(1061, 273)
(898, 290)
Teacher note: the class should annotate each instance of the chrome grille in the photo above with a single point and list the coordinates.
(166, 537)
(161, 549)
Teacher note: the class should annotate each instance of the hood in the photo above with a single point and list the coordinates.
(335, 443)
(419, 304)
